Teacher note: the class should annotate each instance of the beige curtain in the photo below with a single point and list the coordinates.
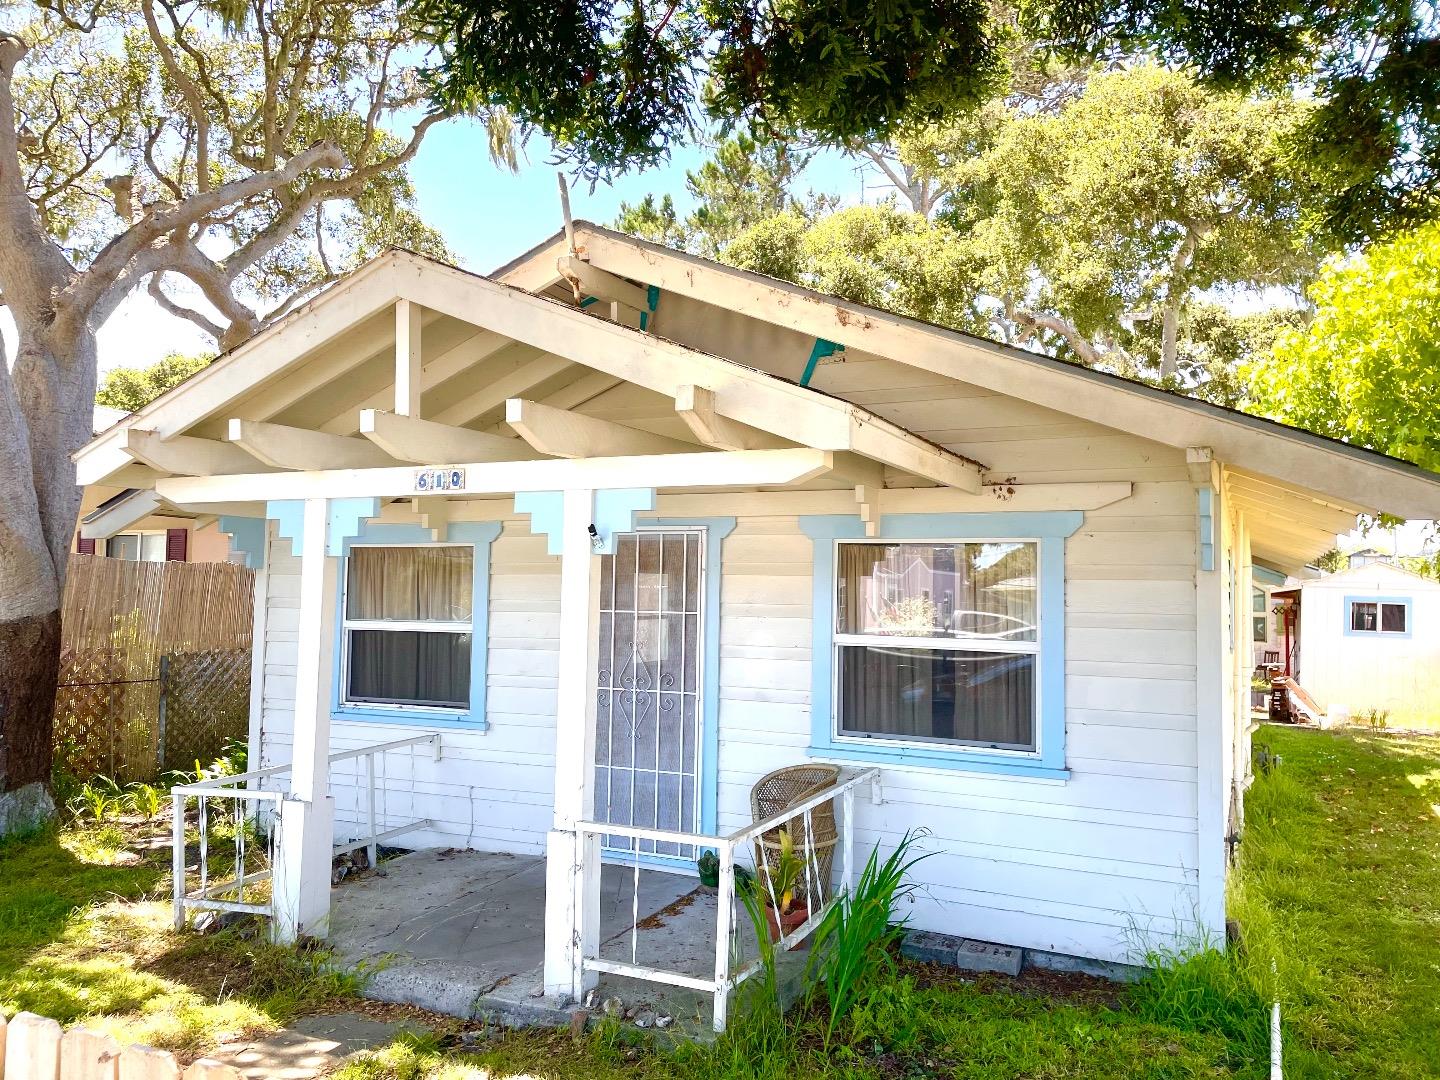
(412, 584)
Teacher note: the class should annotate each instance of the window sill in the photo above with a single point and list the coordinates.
(941, 760)
(411, 717)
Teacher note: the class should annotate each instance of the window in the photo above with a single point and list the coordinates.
(137, 547)
(1379, 616)
(407, 625)
(937, 643)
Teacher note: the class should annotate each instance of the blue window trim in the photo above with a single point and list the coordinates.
(716, 530)
(1049, 530)
(480, 534)
(1405, 601)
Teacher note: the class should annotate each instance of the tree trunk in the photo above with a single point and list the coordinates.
(45, 415)
(30, 659)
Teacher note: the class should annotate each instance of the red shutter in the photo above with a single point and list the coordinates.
(176, 541)
(83, 546)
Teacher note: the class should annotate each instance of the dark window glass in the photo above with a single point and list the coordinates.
(1362, 617)
(1392, 618)
(410, 667)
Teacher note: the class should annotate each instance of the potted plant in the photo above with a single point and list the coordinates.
(784, 909)
(708, 866)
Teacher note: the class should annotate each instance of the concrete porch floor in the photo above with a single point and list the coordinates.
(462, 932)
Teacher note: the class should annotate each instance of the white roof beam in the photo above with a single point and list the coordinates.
(122, 515)
(409, 380)
(284, 447)
(703, 470)
(592, 281)
(496, 393)
(697, 407)
(187, 456)
(407, 438)
(469, 353)
(566, 434)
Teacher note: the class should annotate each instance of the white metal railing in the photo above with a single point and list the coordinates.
(732, 850)
(244, 800)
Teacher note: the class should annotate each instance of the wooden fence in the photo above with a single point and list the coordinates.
(35, 1048)
(154, 665)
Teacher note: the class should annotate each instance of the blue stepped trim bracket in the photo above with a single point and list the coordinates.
(247, 536)
(1050, 530)
(1205, 513)
(821, 350)
(344, 518)
(613, 511)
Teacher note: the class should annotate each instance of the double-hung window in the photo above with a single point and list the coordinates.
(408, 626)
(937, 642)
(1379, 617)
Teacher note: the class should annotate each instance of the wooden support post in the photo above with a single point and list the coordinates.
(572, 878)
(302, 883)
(408, 373)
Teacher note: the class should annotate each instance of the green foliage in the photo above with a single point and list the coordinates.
(851, 949)
(1333, 561)
(1367, 368)
(132, 389)
(1372, 67)
(145, 800)
(615, 85)
(745, 182)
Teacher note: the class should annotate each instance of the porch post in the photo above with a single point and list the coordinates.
(307, 813)
(572, 876)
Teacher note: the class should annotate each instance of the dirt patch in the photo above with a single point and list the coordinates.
(1069, 987)
(657, 920)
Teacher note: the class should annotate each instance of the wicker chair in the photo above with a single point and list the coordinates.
(776, 792)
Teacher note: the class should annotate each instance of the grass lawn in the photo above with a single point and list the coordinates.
(1339, 885)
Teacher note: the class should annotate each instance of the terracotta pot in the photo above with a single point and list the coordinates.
(797, 914)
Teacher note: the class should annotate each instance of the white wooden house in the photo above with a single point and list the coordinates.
(629, 529)
(1369, 641)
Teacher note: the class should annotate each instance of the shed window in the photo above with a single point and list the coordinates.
(407, 623)
(1379, 617)
(937, 642)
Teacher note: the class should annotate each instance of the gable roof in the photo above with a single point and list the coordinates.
(1357, 478)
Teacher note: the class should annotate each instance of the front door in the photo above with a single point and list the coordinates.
(648, 739)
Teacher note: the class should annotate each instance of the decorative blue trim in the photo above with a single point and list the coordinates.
(481, 534)
(1049, 529)
(821, 350)
(613, 511)
(247, 536)
(588, 301)
(716, 530)
(1205, 509)
(1406, 601)
(345, 518)
(289, 518)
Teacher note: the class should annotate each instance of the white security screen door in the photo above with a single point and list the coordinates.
(648, 724)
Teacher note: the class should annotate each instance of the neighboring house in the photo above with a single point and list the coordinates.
(676, 516)
(166, 534)
(1367, 557)
(1369, 639)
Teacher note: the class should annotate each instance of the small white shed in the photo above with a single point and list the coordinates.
(1370, 640)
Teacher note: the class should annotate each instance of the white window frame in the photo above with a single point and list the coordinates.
(951, 644)
(348, 624)
(140, 535)
(1380, 605)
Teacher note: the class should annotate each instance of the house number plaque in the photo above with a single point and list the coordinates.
(432, 480)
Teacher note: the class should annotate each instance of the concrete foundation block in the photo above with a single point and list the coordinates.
(928, 947)
(987, 956)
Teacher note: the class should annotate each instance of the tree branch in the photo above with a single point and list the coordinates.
(168, 305)
(1034, 323)
(83, 295)
(188, 90)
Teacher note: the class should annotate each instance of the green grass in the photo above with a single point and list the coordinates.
(1337, 896)
(85, 936)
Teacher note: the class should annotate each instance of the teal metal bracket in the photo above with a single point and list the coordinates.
(652, 298)
(821, 350)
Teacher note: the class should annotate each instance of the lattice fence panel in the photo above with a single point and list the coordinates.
(207, 703)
